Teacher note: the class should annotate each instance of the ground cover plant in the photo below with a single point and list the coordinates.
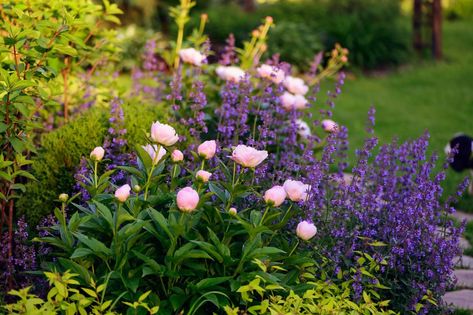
(230, 195)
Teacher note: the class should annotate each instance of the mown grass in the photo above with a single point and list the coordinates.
(433, 96)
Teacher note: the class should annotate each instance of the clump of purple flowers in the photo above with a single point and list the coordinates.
(22, 260)
(116, 152)
(392, 198)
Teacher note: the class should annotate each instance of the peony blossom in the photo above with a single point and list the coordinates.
(295, 85)
(207, 149)
(275, 196)
(187, 199)
(329, 125)
(97, 154)
(163, 134)
(152, 150)
(233, 74)
(306, 230)
(290, 101)
(203, 176)
(248, 156)
(192, 56)
(123, 193)
(303, 128)
(296, 190)
(177, 156)
(271, 73)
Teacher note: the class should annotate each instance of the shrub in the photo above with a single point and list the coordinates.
(61, 150)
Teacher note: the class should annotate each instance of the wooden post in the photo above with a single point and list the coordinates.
(437, 29)
(417, 25)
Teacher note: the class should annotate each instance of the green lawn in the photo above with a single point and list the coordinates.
(437, 97)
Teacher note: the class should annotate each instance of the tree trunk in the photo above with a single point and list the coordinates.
(417, 25)
(437, 29)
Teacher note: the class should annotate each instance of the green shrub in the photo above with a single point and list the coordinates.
(374, 31)
(459, 9)
(61, 150)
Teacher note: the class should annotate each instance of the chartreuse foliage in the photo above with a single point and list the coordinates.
(67, 296)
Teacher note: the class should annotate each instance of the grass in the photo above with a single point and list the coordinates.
(433, 96)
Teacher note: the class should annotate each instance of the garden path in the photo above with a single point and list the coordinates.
(463, 296)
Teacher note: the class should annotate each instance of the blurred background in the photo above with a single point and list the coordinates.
(411, 59)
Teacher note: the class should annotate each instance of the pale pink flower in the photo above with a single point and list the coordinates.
(275, 196)
(192, 56)
(123, 193)
(187, 199)
(295, 85)
(163, 134)
(296, 190)
(97, 154)
(290, 101)
(274, 74)
(329, 125)
(233, 74)
(303, 128)
(306, 230)
(248, 156)
(207, 149)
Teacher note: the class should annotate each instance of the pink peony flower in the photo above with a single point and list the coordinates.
(163, 134)
(329, 125)
(203, 176)
(97, 154)
(123, 193)
(152, 150)
(275, 196)
(207, 149)
(177, 156)
(248, 156)
(233, 74)
(296, 190)
(306, 230)
(271, 73)
(192, 56)
(187, 199)
(295, 85)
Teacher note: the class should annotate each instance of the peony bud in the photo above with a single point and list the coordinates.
(275, 196)
(233, 211)
(329, 125)
(163, 134)
(123, 193)
(153, 154)
(187, 199)
(63, 197)
(97, 154)
(203, 176)
(248, 156)
(137, 188)
(295, 85)
(296, 190)
(207, 149)
(177, 156)
(306, 230)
